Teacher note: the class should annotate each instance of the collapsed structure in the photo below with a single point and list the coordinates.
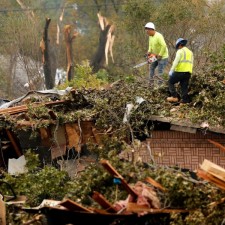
(56, 124)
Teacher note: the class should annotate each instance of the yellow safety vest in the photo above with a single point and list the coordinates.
(186, 62)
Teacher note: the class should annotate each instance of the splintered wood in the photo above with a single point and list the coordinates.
(212, 173)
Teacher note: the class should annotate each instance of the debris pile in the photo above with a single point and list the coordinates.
(137, 190)
(147, 201)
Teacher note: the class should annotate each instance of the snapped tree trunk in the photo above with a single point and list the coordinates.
(46, 60)
(106, 39)
(69, 40)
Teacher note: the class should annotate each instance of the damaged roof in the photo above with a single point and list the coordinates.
(119, 104)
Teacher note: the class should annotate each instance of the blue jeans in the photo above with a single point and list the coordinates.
(161, 66)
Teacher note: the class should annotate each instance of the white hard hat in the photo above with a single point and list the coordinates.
(150, 25)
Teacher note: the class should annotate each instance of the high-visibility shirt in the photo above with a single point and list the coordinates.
(157, 45)
(183, 61)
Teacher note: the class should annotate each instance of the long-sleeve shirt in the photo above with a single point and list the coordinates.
(157, 45)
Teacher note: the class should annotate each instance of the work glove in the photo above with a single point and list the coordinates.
(171, 73)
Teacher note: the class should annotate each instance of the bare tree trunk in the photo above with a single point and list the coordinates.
(69, 40)
(44, 45)
(105, 44)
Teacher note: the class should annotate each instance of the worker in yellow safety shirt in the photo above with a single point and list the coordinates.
(180, 72)
(158, 47)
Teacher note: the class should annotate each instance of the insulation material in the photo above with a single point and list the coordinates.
(17, 166)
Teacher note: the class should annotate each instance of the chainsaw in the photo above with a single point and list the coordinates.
(150, 58)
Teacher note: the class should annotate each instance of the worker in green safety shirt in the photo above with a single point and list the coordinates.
(180, 72)
(158, 47)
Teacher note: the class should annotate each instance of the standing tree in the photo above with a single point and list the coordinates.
(69, 39)
(46, 59)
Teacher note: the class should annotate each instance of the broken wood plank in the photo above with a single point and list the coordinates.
(103, 202)
(113, 172)
(135, 208)
(206, 176)
(155, 184)
(213, 169)
(24, 108)
(213, 204)
(73, 206)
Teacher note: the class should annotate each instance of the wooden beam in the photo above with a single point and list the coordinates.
(114, 173)
(103, 202)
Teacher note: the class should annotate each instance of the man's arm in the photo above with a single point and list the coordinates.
(149, 46)
(163, 45)
(176, 60)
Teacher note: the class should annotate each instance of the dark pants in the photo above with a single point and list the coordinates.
(183, 78)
